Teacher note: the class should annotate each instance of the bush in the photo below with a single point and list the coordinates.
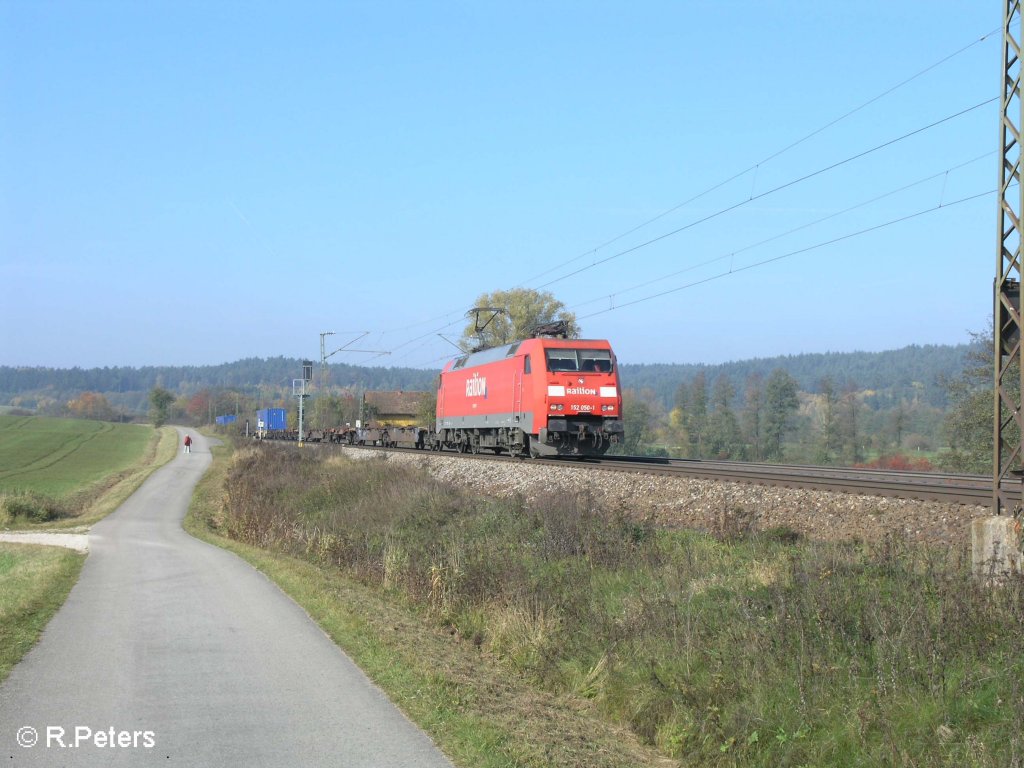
(33, 507)
(898, 463)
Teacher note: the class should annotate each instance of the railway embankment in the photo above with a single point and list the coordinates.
(710, 504)
(547, 628)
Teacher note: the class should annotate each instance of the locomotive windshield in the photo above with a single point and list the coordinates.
(580, 360)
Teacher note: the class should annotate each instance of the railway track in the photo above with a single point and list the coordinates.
(924, 486)
(975, 490)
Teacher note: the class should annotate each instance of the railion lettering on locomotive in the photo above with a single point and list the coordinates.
(580, 391)
(476, 386)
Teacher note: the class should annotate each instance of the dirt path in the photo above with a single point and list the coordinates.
(77, 541)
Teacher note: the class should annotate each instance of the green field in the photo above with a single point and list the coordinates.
(58, 457)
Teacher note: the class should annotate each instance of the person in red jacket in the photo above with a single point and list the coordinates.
(188, 444)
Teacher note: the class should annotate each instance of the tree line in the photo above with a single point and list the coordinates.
(707, 414)
(773, 419)
(704, 424)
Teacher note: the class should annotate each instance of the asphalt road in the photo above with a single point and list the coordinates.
(172, 652)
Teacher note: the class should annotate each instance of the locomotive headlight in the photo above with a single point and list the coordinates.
(557, 407)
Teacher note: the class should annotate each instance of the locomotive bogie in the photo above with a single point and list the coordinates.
(474, 440)
(577, 437)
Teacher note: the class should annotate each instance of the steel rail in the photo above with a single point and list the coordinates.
(924, 486)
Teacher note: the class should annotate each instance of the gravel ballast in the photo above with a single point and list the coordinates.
(709, 504)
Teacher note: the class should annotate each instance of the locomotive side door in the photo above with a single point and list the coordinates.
(439, 410)
(517, 396)
(522, 378)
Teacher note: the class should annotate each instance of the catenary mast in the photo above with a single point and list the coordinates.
(1009, 354)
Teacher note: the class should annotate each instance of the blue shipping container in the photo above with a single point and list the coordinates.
(272, 418)
(229, 419)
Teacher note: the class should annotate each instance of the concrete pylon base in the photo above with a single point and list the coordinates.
(997, 547)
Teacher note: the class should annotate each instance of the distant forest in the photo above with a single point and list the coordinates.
(840, 407)
(913, 373)
(127, 389)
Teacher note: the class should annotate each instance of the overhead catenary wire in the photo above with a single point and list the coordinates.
(778, 153)
(428, 336)
(790, 254)
(796, 252)
(774, 190)
(732, 253)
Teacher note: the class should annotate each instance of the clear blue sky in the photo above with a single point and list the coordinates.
(193, 182)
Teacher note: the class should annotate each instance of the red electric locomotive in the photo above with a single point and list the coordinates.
(537, 397)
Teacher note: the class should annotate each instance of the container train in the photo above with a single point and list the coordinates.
(540, 397)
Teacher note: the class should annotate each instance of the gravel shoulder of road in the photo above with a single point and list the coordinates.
(76, 541)
(709, 504)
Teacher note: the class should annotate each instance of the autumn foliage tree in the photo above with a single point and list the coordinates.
(522, 310)
(91, 405)
(198, 407)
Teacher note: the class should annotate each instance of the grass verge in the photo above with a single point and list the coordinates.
(36, 581)
(466, 700)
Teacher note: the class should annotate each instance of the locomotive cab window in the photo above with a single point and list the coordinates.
(596, 360)
(526, 364)
(579, 360)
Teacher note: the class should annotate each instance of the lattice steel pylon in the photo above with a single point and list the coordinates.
(1007, 489)
(321, 400)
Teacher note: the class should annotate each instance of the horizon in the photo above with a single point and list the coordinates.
(619, 360)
